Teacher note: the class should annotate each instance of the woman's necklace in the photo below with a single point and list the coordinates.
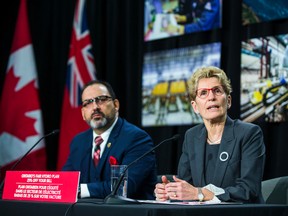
(214, 142)
(218, 140)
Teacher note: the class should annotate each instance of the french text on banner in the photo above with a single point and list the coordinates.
(42, 186)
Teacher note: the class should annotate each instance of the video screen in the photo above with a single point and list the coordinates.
(264, 76)
(165, 99)
(256, 11)
(163, 19)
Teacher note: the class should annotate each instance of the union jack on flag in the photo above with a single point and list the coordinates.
(80, 70)
(81, 63)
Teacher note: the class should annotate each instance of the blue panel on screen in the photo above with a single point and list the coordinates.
(164, 89)
(256, 11)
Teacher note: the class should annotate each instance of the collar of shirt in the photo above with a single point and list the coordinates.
(104, 136)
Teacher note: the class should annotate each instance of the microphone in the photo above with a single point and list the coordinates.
(113, 198)
(18, 161)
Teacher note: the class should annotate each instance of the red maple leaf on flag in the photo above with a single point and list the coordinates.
(16, 110)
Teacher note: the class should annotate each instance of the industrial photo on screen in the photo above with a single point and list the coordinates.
(264, 77)
(165, 100)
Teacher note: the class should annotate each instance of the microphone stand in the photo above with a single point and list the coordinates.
(113, 198)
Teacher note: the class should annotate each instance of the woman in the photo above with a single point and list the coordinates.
(222, 159)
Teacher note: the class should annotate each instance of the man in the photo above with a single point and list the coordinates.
(120, 140)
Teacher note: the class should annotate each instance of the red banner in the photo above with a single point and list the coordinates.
(41, 186)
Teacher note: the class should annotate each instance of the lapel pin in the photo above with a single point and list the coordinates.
(224, 156)
(109, 145)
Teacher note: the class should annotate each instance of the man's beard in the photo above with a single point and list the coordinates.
(98, 124)
(104, 122)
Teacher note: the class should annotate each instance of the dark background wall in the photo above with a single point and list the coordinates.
(117, 36)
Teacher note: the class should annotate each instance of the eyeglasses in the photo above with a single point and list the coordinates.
(100, 100)
(204, 92)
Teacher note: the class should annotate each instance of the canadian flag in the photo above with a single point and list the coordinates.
(20, 114)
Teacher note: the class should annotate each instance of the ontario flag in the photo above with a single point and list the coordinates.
(20, 114)
(80, 70)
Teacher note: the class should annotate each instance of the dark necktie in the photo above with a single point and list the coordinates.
(96, 156)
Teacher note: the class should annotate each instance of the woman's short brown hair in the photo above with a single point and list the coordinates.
(208, 72)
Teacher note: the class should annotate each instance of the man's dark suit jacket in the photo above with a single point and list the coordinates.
(241, 174)
(126, 142)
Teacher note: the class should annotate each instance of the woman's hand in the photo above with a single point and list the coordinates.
(160, 191)
(181, 190)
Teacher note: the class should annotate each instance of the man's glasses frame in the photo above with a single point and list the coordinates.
(100, 100)
(204, 92)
